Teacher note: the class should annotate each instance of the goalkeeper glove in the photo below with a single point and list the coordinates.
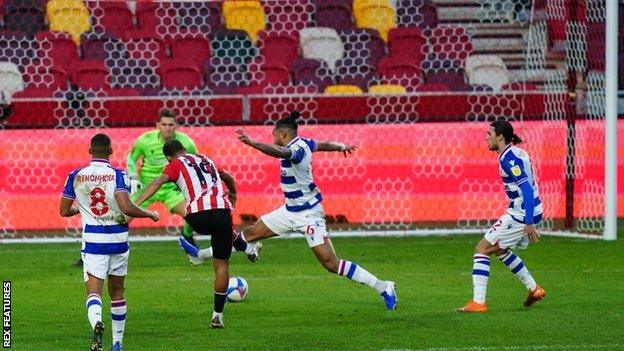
(135, 184)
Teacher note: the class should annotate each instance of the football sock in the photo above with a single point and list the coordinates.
(219, 301)
(94, 309)
(354, 272)
(187, 233)
(240, 244)
(480, 276)
(516, 266)
(118, 316)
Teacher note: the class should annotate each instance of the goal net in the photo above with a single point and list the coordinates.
(413, 83)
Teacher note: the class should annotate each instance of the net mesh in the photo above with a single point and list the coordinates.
(413, 83)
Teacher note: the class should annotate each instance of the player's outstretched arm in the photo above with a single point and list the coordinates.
(271, 150)
(152, 188)
(67, 208)
(229, 182)
(335, 146)
(130, 209)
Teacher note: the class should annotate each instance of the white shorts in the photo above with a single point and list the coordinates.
(507, 233)
(310, 223)
(101, 266)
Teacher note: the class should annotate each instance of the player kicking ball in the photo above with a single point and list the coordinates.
(303, 212)
(514, 229)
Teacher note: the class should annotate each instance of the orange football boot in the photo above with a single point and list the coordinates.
(535, 295)
(473, 307)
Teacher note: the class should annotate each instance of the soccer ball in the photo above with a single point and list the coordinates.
(237, 289)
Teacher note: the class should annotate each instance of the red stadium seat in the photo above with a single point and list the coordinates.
(156, 17)
(401, 71)
(113, 16)
(143, 44)
(287, 16)
(335, 14)
(180, 74)
(58, 47)
(90, 75)
(449, 44)
(310, 71)
(407, 43)
(190, 45)
(278, 48)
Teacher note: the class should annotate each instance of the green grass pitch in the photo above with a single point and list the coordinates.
(293, 304)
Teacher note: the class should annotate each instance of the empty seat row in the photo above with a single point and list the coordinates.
(209, 17)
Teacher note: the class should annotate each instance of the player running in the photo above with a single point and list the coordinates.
(303, 212)
(515, 228)
(208, 210)
(102, 195)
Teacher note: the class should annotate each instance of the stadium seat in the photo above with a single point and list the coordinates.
(102, 46)
(190, 45)
(90, 74)
(69, 16)
(58, 47)
(278, 48)
(375, 14)
(365, 44)
(156, 17)
(401, 71)
(487, 70)
(311, 72)
(234, 44)
(111, 16)
(202, 16)
(450, 44)
(263, 73)
(287, 16)
(180, 74)
(26, 16)
(416, 13)
(146, 45)
(407, 43)
(518, 86)
(343, 89)
(386, 89)
(247, 15)
(43, 78)
(321, 44)
(334, 14)
(11, 81)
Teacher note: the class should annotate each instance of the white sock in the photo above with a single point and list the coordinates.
(516, 266)
(480, 276)
(118, 317)
(94, 309)
(354, 272)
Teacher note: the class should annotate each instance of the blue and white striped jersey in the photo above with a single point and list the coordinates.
(296, 179)
(105, 230)
(516, 169)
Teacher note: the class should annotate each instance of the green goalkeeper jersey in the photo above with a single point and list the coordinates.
(150, 145)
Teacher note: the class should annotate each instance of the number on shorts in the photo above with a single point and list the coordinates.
(98, 202)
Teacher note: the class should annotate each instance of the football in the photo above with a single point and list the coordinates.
(237, 289)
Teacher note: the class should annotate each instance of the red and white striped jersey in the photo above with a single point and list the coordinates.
(198, 179)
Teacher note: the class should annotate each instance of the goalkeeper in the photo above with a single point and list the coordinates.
(149, 148)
